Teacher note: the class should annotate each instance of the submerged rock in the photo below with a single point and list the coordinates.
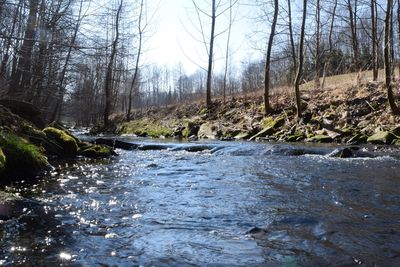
(346, 152)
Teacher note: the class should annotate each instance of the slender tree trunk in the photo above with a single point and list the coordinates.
(398, 33)
(136, 72)
(210, 56)
(268, 59)
(61, 87)
(227, 50)
(109, 73)
(8, 42)
(317, 83)
(386, 52)
(22, 75)
(353, 28)
(301, 60)
(374, 41)
(292, 45)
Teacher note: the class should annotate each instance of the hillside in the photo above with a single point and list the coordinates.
(343, 112)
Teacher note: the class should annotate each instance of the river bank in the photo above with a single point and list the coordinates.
(346, 115)
(28, 146)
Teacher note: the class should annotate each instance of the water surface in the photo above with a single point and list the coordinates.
(232, 204)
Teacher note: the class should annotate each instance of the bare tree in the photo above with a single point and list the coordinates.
(109, 73)
(386, 51)
(301, 61)
(268, 58)
(374, 37)
(210, 56)
(21, 78)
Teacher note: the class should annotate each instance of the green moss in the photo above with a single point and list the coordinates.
(203, 111)
(382, 138)
(320, 138)
(273, 123)
(96, 151)
(63, 139)
(146, 128)
(22, 156)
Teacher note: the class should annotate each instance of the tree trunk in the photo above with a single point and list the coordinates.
(353, 28)
(386, 52)
(136, 72)
(210, 57)
(292, 45)
(61, 87)
(109, 73)
(374, 41)
(317, 83)
(268, 59)
(301, 60)
(227, 50)
(22, 75)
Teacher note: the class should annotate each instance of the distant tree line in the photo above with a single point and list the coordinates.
(81, 60)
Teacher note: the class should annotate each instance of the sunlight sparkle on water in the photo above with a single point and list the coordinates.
(65, 256)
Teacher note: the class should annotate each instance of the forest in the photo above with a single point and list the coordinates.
(52, 57)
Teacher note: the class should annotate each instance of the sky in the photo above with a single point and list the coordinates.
(174, 38)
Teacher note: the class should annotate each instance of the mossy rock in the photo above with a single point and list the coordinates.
(321, 138)
(64, 140)
(274, 123)
(22, 157)
(145, 128)
(96, 151)
(382, 138)
(295, 137)
(2, 161)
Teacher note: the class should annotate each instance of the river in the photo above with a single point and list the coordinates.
(211, 204)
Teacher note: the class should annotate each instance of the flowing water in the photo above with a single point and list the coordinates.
(211, 204)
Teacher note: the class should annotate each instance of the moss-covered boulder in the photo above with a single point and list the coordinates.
(382, 138)
(22, 157)
(66, 142)
(95, 151)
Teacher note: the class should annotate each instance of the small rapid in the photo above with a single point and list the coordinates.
(211, 203)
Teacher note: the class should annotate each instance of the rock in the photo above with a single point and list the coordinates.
(242, 136)
(96, 151)
(306, 118)
(295, 137)
(113, 143)
(382, 138)
(208, 130)
(263, 133)
(7, 204)
(24, 110)
(396, 131)
(346, 152)
(22, 157)
(66, 142)
(320, 138)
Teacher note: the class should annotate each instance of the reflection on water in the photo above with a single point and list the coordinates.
(240, 204)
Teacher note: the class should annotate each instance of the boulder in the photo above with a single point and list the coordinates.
(66, 142)
(209, 131)
(346, 152)
(22, 157)
(382, 138)
(113, 143)
(95, 151)
(24, 110)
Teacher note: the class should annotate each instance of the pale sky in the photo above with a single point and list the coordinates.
(174, 38)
